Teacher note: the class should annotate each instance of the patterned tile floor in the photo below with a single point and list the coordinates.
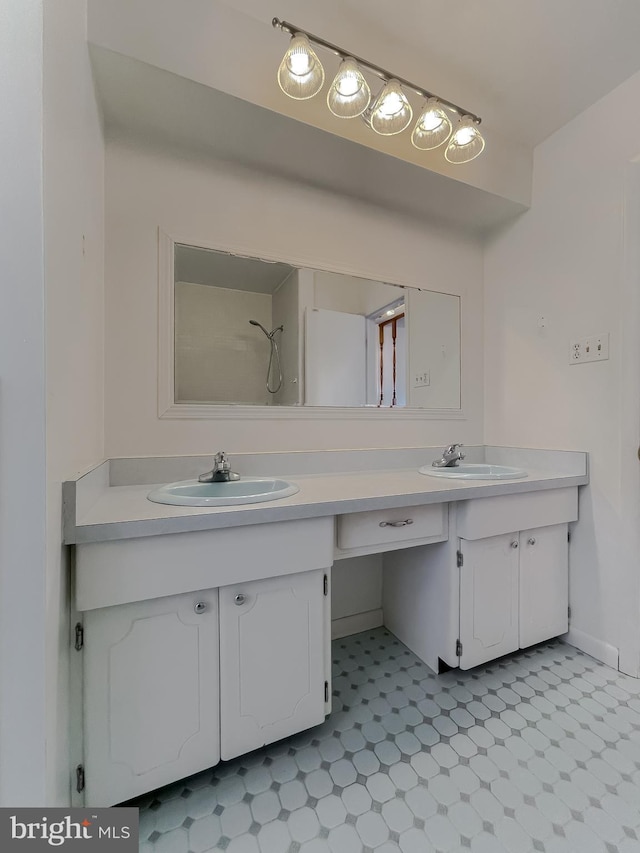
(538, 751)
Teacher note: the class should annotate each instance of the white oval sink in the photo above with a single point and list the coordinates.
(251, 490)
(475, 471)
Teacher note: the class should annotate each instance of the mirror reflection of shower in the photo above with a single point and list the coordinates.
(274, 358)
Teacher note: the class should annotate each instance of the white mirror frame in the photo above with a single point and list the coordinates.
(168, 408)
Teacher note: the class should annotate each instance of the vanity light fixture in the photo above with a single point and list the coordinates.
(301, 76)
(349, 95)
(391, 112)
(433, 127)
(466, 142)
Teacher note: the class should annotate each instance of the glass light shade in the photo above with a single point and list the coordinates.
(300, 74)
(391, 112)
(433, 128)
(466, 143)
(349, 94)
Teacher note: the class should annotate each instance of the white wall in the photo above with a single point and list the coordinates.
(74, 259)
(434, 348)
(219, 355)
(22, 410)
(217, 203)
(566, 259)
(356, 589)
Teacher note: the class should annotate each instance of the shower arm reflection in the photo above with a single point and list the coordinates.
(274, 350)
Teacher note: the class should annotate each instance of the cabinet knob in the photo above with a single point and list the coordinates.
(240, 599)
(514, 544)
(200, 606)
(531, 541)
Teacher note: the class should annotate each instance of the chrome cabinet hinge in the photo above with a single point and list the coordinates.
(79, 631)
(459, 559)
(79, 778)
(326, 691)
(458, 649)
(325, 585)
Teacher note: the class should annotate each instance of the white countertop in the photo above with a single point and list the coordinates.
(124, 512)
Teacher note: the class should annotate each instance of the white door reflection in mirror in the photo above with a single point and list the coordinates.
(335, 358)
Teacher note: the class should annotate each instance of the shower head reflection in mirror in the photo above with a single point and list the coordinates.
(326, 339)
(274, 363)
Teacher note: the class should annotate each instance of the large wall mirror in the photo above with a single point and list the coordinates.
(253, 332)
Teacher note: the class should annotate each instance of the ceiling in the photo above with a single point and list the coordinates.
(201, 78)
(220, 269)
(526, 66)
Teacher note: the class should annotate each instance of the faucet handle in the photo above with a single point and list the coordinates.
(222, 461)
(453, 447)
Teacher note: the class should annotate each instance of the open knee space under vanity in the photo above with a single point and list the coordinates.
(205, 634)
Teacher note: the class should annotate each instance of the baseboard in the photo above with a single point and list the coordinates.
(348, 625)
(598, 649)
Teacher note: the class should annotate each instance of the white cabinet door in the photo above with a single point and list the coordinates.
(151, 706)
(488, 599)
(272, 674)
(544, 584)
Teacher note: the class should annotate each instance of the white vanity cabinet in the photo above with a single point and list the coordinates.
(151, 694)
(543, 609)
(488, 599)
(514, 592)
(498, 584)
(272, 659)
(177, 675)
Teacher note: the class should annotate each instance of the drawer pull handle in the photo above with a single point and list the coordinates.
(240, 599)
(200, 607)
(396, 523)
(531, 541)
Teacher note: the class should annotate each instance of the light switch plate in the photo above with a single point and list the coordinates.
(591, 348)
(422, 380)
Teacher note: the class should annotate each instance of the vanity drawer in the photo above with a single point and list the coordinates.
(485, 517)
(392, 527)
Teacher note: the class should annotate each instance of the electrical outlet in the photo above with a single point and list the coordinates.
(575, 352)
(421, 380)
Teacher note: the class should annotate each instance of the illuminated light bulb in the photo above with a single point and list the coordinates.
(464, 135)
(433, 128)
(466, 143)
(390, 313)
(431, 120)
(391, 111)
(300, 74)
(349, 94)
(299, 63)
(391, 104)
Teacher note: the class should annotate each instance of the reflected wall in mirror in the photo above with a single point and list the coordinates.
(255, 332)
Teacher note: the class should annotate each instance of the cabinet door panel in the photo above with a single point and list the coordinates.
(271, 660)
(488, 599)
(544, 584)
(151, 694)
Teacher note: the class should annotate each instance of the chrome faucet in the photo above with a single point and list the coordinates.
(221, 471)
(450, 457)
